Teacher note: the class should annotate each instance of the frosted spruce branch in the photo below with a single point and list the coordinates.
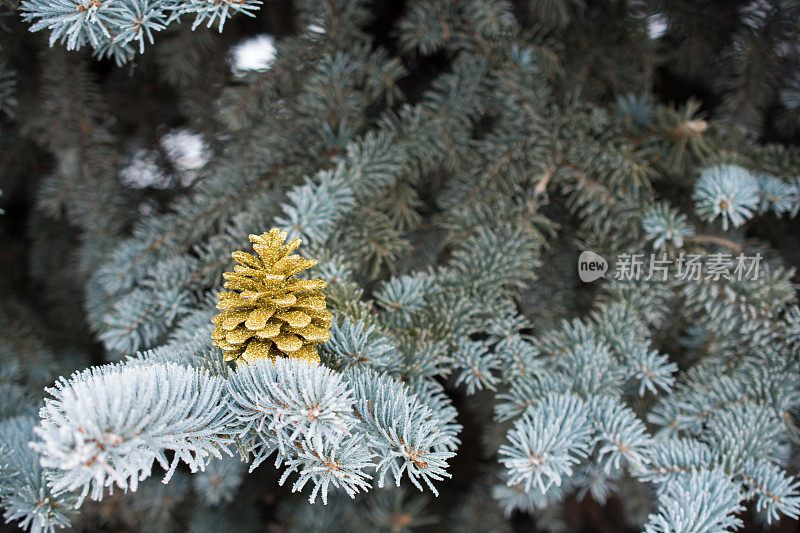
(107, 427)
(115, 28)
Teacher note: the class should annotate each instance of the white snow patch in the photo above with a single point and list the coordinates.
(187, 151)
(256, 53)
(143, 171)
(657, 25)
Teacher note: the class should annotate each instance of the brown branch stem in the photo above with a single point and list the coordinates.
(713, 239)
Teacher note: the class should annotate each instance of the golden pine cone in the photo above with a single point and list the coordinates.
(272, 313)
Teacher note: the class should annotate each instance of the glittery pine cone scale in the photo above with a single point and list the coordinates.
(271, 313)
